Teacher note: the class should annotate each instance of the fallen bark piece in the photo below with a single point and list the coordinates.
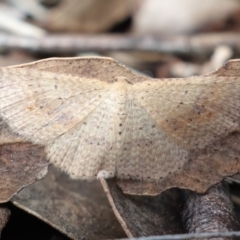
(78, 209)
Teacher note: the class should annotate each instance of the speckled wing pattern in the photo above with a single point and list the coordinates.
(121, 122)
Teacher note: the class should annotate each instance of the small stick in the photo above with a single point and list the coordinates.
(210, 212)
(190, 236)
(201, 44)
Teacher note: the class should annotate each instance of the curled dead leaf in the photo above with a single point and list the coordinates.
(21, 163)
(145, 215)
(78, 209)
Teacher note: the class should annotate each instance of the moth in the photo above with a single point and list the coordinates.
(94, 115)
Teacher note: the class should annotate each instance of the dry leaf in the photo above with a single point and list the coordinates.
(179, 17)
(21, 163)
(78, 209)
(86, 15)
(143, 215)
(4, 217)
(94, 114)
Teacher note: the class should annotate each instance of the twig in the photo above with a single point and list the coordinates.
(188, 236)
(210, 212)
(197, 44)
(18, 26)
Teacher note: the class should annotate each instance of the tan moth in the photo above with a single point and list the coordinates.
(95, 115)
